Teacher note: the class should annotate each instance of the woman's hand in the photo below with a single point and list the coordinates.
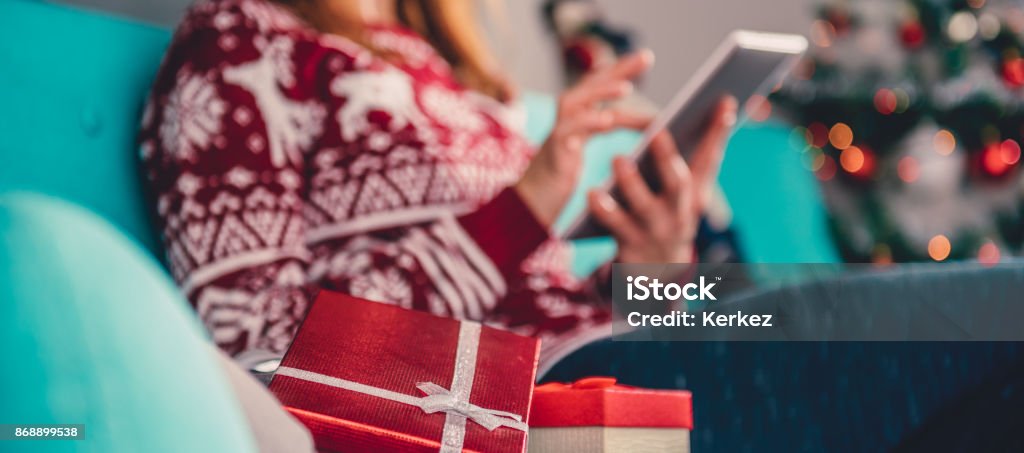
(660, 228)
(553, 173)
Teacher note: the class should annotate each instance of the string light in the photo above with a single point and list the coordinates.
(939, 248)
(841, 136)
(944, 142)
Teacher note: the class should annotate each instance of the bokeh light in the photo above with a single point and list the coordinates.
(841, 136)
(902, 100)
(993, 160)
(908, 169)
(939, 248)
(1013, 72)
(988, 26)
(962, 27)
(1009, 150)
(852, 159)
(988, 254)
(885, 101)
(818, 134)
(813, 159)
(944, 142)
(827, 170)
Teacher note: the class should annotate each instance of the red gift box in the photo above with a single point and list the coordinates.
(597, 415)
(366, 376)
(600, 401)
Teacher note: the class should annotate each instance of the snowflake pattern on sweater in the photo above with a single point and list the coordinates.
(281, 160)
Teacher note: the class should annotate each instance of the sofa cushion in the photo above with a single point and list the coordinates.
(100, 336)
(71, 92)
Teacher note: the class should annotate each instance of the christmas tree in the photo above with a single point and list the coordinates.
(911, 114)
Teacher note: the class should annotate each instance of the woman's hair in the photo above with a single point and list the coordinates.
(451, 26)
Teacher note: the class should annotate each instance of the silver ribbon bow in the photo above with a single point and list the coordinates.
(453, 403)
(439, 399)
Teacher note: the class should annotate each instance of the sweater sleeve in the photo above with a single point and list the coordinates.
(221, 154)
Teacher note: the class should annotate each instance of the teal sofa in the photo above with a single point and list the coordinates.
(73, 86)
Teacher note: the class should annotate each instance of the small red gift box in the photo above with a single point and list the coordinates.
(597, 415)
(366, 376)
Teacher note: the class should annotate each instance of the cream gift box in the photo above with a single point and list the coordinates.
(598, 415)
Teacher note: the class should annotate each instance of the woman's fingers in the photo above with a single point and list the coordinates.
(581, 96)
(635, 192)
(673, 172)
(596, 121)
(630, 120)
(708, 156)
(626, 68)
(607, 83)
(607, 211)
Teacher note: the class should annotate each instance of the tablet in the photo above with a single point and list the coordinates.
(745, 65)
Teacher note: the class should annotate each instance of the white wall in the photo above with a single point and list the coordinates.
(681, 32)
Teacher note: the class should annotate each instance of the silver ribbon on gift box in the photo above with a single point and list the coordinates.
(453, 402)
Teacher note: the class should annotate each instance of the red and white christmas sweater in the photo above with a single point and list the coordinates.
(282, 159)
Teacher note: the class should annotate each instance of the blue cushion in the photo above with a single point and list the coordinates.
(100, 336)
(778, 210)
(71, 93)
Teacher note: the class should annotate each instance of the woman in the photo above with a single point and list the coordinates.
(370, 147)
(329, 144)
